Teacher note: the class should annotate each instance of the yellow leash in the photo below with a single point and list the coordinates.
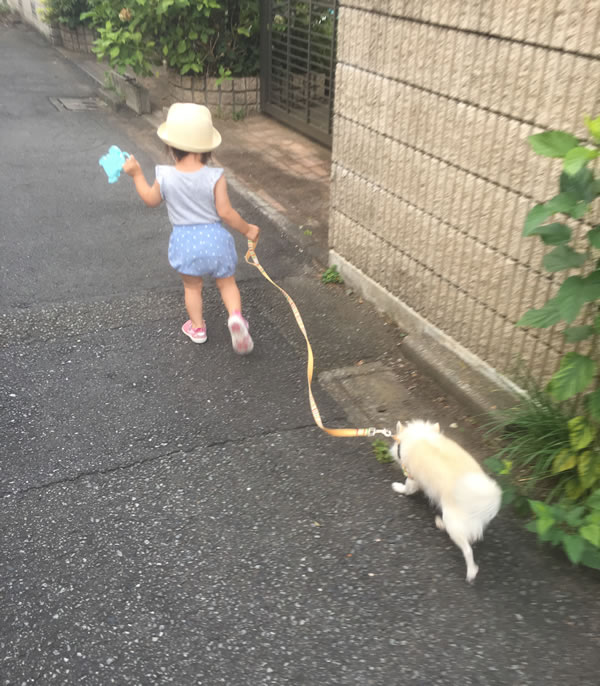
(252, 259)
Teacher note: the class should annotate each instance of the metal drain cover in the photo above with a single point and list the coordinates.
(78, 104)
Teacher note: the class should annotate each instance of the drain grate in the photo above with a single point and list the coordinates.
(77, 104)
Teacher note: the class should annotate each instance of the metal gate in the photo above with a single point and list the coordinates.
(298, 64)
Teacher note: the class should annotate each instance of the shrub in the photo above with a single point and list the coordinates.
(576, 528)
(551, 462)
(66, 12)
(211, 37)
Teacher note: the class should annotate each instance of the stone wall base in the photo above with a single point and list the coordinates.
(133, 94)
(80, 39)
(230, 99)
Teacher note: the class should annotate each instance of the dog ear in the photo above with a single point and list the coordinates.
(436, 426)
(399, 428)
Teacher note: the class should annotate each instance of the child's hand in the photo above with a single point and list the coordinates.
(132, 166)
(252, 234)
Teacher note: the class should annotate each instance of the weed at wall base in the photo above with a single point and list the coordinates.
(331, 275)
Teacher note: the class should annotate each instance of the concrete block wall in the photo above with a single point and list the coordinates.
(226, 99)
(432, 175)
(31, 11)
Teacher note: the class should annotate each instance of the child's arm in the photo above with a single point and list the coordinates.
(229, 215)
(149, 194)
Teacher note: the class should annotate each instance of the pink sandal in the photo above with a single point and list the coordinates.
(240, 336)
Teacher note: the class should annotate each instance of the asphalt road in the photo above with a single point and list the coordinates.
(169, 512)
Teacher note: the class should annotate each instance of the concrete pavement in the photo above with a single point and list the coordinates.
(170, 514)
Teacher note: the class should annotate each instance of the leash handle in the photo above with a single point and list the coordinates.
(252, 259)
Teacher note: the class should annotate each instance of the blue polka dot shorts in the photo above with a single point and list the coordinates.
(203, 250)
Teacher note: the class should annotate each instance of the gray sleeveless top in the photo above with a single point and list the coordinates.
(190, 196)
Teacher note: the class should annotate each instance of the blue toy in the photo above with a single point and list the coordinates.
(113, 163)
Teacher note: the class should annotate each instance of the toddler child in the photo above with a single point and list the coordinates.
(197, 202)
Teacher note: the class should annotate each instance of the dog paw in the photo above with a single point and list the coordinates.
(472, 573)
(398, 487)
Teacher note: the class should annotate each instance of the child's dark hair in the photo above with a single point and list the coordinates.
(180, 154)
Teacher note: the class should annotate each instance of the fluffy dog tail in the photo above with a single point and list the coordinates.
(478, 499)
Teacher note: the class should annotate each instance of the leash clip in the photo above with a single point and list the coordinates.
(385, 432)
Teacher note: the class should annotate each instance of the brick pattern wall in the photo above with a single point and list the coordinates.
(432, 175)
(231, 97)
(79, 39)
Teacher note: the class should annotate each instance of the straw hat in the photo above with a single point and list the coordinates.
(189, 127)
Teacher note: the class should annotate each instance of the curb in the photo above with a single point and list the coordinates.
(477, 387)
(471, 388)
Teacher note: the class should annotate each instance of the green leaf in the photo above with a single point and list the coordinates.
(591, 285)
(552, 234)
(593, 501)
(593, 126)
(579, 210)
(546, 316)
(574, 547)
(577, 158)
(192, 35)
(593, 236)
(586, 468)
(575, 374)
(581, 434)
(566, 203)
(592, 404)
(578, 333)
(571, 297)
(181, 46)
(574, 517)
(563, 257)
(574, 489)
(493, 464)
(559, 513)
(165, 50)
(591, 533)
(532, 526)
(540, 509)
(535, 217)
(592, 517)
(564, 460)
(114, 52)
(591, 558)
(508, 495)
(543, 525)
(552, 143)
(581, 185)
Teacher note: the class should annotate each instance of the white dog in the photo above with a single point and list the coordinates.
(451, 479)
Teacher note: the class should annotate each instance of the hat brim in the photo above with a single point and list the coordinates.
(174, 142)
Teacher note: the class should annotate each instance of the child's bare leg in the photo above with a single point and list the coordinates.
(230, 293)
(192, 286)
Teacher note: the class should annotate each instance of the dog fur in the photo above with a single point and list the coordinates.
(451, 479)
